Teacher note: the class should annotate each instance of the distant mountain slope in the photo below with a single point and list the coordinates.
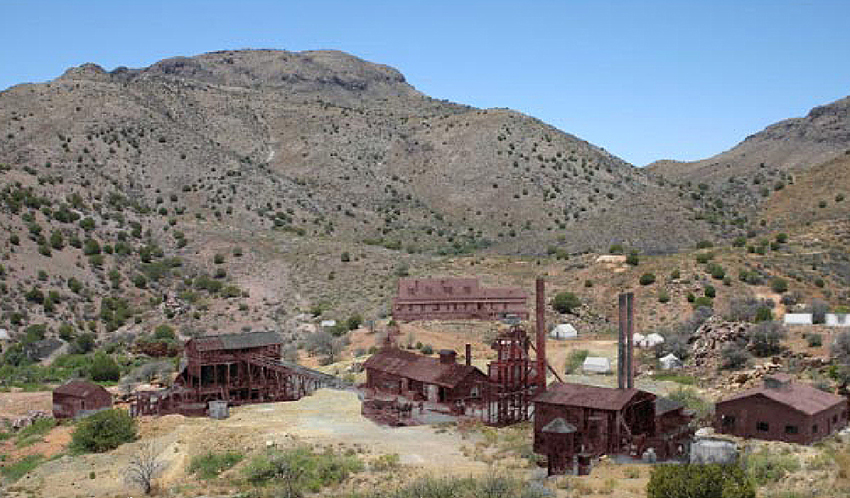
(789, 146)
(324, 143)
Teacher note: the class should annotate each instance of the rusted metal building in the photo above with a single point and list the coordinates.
(782, 409)
(575, 423)
(423, 378)
(456, 298)
(79, 398)
(237, 368)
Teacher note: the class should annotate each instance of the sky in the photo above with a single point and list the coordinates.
(646, 80)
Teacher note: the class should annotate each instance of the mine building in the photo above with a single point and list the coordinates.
(456, 298)
(782, 409)
(236, 368)
(576, 423)
(79, 398)
(423, 378)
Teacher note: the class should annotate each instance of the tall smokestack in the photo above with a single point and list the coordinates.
(541, 334)
(630, 334)
(621, 342)
(468, 354)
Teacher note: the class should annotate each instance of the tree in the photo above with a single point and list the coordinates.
(565, 302)
(819, 309)
(733, 356)
(143, 467)
(354, 322)
(104, 431)
(103, 367)
(765, 338)
(325, 344)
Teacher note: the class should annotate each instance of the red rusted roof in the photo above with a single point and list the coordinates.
(78, 389)
(598, 398)
(801, 397)
(452, 289)
(421, 368)
(246, 340)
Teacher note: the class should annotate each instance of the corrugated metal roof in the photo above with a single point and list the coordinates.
(237, 341)
(599, 398)
(801, 397)
(417, 367)
(78, 388)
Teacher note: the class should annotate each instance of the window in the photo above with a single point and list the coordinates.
(815, 429)
(791, 429)
(762, 426)
(728, 420)
(835, 419)
(475, 392)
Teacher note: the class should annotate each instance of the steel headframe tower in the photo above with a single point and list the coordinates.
(541, 334)
(625, 346)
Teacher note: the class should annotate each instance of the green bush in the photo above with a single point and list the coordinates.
(779, 285)
(633, 258)
(301, 470)
(647, 279)
(767, 467)
(814, 340)
(565, 302)
(164, 332)
(699, 481)
(14, 471)
(104, 368)
(575, 359)
(103, 431)
(210, 465)
(663, 296)
(710, 291)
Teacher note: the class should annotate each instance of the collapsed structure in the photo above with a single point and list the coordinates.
(782, 409)
(236, 368)
(575, 423)
(456, 298)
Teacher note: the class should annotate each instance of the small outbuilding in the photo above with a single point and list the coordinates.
(782, 409)
(79, 398)
(670, 362)
(564, 331)
(596, 364)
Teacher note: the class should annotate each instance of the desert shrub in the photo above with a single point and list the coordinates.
(565, 302)
(703, 301)
(164, 333)
(218, 258)
(575, 359)
(104, 368)
(840, 348)
(699, 481)
(301, 470)
(210, 465)
(765, 338)
(717, 272)
(704, 244)
(647, 279)
(663, 296)
(103, 431)
(710, 291)
(692, 400)
(633, 258)
(386, 462)
(819, 310)
(354, 322)
(427, 349)
(767, 467)
(14, 471)
(345, 257)
(779, 285)
(733, 356)
(704, 257)
(814, 340)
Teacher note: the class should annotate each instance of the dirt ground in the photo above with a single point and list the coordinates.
(326, 418)
(14, 404)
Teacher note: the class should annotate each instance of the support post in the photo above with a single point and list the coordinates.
(630, 334)
(621, 340)
(541, 334)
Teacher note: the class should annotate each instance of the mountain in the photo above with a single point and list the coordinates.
(254, 184)
(782, 149)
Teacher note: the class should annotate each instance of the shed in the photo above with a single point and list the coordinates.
(79, 399)
(218, 409)
(837, 320)
(596, 364)
(782, 409)
(797, 319)
(670, 362)
(563, 331)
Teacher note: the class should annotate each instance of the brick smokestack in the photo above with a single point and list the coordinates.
(621, 341)
(541, 334)
(468, 354)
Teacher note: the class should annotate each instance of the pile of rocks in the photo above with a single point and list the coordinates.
(28, 419)
(712, 335)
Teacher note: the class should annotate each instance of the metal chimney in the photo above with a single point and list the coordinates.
(468, 354)
(541, 334)
(630, 334)
(621, 342)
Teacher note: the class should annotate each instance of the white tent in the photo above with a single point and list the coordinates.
(652, 340)
(637, 339)
(328, 323)
(563, 331)
(596, 364)
(838, 320)
(670, 362)
(797, 319)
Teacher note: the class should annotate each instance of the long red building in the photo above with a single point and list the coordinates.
(456, 298)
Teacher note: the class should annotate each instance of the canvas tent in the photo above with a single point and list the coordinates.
(563, 331)
(638, 338)
(651, 340)
(838, 320)
(596, 364)
(670, 362)
(797, 319)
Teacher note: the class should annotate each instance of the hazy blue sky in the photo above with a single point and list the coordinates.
(644, 79)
